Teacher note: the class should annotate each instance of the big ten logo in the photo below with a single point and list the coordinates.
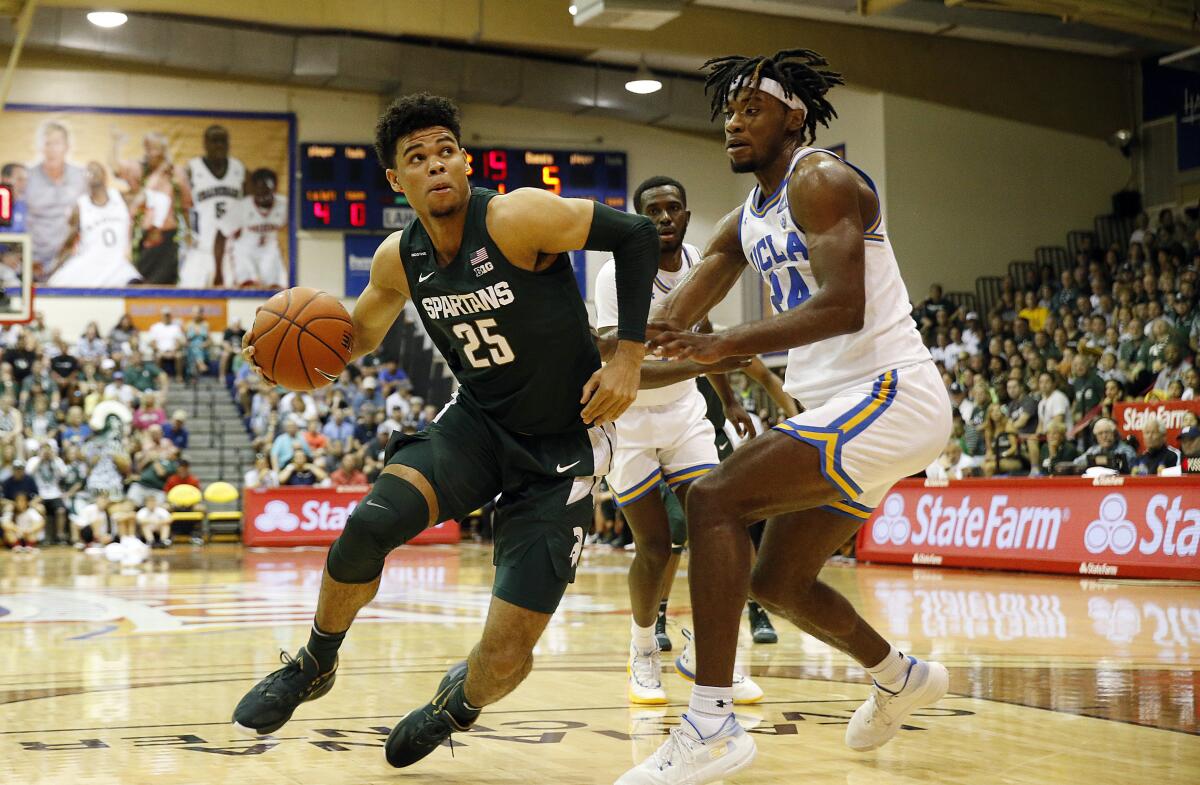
(892, 526)
(1174, 530)
(1004, 616)
(1171, 627)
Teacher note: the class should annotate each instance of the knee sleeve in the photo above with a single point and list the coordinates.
(391, 514)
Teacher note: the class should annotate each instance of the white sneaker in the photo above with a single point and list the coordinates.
(744, 689)
(686, 759)
(645, 677)
(875, 722)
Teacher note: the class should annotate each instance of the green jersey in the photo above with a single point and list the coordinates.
(518, 341)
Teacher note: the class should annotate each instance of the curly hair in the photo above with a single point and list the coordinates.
(412, 113)
(801, 72)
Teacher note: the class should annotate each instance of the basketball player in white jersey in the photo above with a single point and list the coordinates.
(96, 251)
(875, 410)
(663, 436)
(257, 260)
(216, 182)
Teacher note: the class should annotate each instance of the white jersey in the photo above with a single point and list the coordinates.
(214, 199)
(257, 257)
(777, 249)
(104, 229)
(606, 316)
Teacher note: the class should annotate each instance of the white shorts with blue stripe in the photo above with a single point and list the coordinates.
(873, 434)
(674, 442)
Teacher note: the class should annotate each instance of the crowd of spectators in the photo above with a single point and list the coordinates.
(88, 452)
(1034, 381)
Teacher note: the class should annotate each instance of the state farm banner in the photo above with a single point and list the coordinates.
(1136, 527)
(1131, 417)
(313, 516)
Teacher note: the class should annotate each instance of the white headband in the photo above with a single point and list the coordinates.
(770, 87)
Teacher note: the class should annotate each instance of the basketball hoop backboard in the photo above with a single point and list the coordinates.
(16, 279)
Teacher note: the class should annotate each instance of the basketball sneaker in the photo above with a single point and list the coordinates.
(875, 722)
(660, 632)
(422, 730)
(270, 704)
(686, 759)
(761, 628)
(744, 689)
(645, 677)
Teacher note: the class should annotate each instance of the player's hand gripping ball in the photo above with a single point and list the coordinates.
(302, 338)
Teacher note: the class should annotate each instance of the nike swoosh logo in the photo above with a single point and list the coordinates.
(370, 503)
(424, 278)
(562, 468)
(328, 376)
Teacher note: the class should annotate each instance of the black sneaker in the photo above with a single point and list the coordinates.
(270, 704)
(423, 730)
(660, 633)
(761, 627)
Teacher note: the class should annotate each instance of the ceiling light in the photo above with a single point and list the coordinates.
(643, 82)
(107, 18)
(572, 9)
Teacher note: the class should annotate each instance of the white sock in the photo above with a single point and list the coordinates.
(892, 672)
(643, 638)
(709, 708)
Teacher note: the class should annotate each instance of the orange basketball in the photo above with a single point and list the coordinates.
(302, 338)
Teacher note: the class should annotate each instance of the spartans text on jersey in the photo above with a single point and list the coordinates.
(489, 299)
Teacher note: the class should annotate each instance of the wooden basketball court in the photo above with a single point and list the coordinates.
(129, 675)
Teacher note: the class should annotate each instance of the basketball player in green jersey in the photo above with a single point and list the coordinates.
(495, 290)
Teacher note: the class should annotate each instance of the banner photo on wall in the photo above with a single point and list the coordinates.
(359, 251)
(151, 201)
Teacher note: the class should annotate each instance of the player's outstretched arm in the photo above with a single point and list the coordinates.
(380, 304)
(759, 372)
(707, 283)
(530, 223)
(823, 195)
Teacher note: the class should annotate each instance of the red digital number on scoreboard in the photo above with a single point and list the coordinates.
(358, 214)
(321, 212)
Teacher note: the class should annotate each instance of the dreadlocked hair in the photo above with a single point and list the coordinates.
(800, 71)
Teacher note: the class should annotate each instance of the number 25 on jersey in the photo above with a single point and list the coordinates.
(475, 336)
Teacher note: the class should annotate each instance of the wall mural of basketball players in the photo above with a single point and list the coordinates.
(152, 199)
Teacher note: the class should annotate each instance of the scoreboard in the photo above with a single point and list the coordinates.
(343, 186)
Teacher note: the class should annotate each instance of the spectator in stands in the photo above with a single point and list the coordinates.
(155, 522)
(20, 483)
(340, 428)
(1189, 446)
(93, 525)
(176, 430)
(313, 438)
(1191, 384)
(298, 408)
(348, 472)
(1004, 455)
(368, 392)
(286, 445)
(301, 472)
(1108, 451)
(168, 341)
(1087, 387)
(120, 335)
(12, 423)
(22, 523)
(181, 476)
(1033, 312)
(952, 464)
(149, 413)
(399, 408)
(1108, 367)
(1054, 405)
(197, 343)
(119, 389)
(90, 346)
(1158, 455)
(146, 376)
(392, 375)
(261, 476)
(156, 469)
(1057, 450)
(231, 348)
(1172, 367)
(49, 472)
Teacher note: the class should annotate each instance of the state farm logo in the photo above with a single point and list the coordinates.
(1174, 529)
(277, 516)
(999, 525)
(1111, 531)
(892, 526)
